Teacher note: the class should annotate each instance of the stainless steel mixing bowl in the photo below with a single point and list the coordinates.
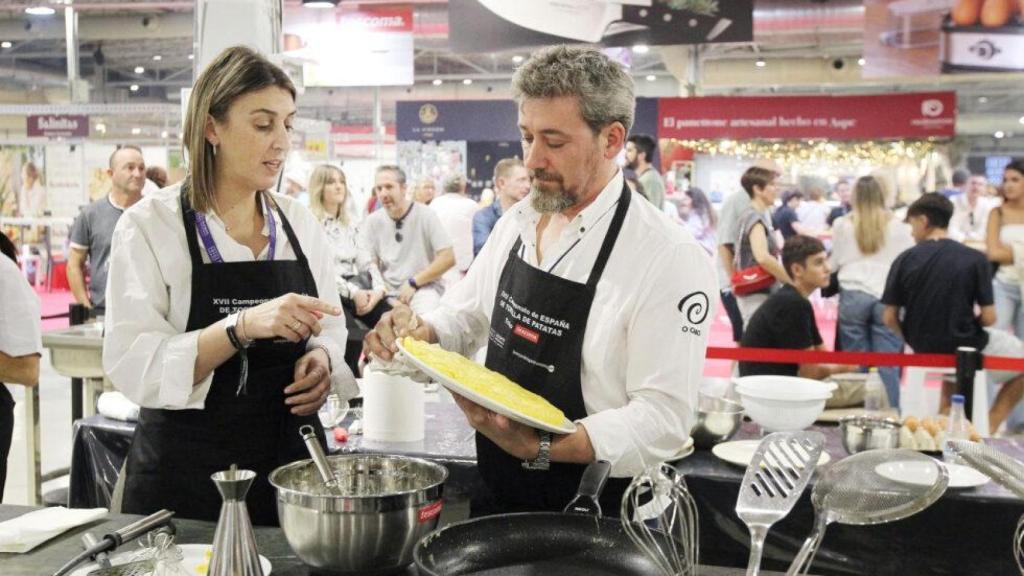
(860, 433)
(386, 504)
(718, 420)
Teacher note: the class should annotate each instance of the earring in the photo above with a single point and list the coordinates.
(214, 149)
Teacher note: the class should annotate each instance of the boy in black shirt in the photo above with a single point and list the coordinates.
(937, 284)
(786, 319)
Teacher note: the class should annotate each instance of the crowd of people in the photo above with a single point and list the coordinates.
(925, 280)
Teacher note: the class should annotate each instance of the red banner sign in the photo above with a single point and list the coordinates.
(58, 126)
(919, 115)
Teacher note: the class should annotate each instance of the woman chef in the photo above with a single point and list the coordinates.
(222, 318)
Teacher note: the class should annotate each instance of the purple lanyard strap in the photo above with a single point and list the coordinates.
(211, 246)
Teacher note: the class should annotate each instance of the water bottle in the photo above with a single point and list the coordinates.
(873, 391)
(957, 429)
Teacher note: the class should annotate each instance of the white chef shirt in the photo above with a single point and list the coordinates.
(19, 313)
(147, 353)
(642, 356)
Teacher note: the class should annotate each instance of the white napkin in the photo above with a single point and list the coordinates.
(22, 534)
(117, 406)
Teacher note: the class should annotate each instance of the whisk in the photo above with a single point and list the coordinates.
(1018, 545)
(673, 541)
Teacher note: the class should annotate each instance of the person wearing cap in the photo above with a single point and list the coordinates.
(931, 295)
(223, 318)
(585, 294)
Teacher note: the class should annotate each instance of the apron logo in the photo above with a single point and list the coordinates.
(694, 307)
(526, 334)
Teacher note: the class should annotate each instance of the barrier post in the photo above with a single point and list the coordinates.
(968, 361)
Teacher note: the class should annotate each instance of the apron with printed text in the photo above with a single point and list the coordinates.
(536, 340)
(174, 452)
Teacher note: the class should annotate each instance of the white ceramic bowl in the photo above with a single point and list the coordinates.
(784, 388)
(782, 415)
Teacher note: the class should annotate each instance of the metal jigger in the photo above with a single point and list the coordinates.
(234, 544)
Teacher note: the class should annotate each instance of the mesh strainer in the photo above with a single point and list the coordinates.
(1006, 471)
(851, 491)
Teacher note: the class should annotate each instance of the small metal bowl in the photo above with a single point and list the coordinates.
(860, 433)
(718, 420)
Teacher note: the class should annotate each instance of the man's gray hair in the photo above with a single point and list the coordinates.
(602, 88)
(394, 169)
(454, 183)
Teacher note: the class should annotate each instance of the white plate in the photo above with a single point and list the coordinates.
(741, 452)
(195, 557)
(567, 427)
(924, 473)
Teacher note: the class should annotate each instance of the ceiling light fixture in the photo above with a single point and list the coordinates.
(157, 57)
(140, 70)
(40, 11)
(651, 77)
(5, 44)
(641, 48)
(760, 63)
(191, 56)
(1000, 134)
(467, 81)
(136, 131)
(1021, 120)
(982, 99)
(861, 61)
(517, 59)
(134, 87)
(437, 82)
(319, 3)
(101, 127)
(163, 134)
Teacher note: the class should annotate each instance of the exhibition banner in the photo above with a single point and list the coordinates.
(489, 25)
(58, 125)
(912, 116)
(470, 120)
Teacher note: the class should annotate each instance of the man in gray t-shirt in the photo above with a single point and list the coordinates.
(408, 242)
(94, 227)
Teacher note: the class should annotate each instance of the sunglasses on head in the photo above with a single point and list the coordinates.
(398, 231)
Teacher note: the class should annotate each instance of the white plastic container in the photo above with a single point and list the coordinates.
(392, 408)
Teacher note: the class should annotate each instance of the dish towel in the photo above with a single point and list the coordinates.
(22, 534)
(115, 405)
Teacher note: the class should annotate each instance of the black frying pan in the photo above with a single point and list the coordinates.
(577, 541)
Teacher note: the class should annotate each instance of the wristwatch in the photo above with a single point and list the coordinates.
(412, 282)
(231, 326)
(543, 459)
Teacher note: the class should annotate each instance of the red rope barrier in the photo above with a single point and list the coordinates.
(779, 356)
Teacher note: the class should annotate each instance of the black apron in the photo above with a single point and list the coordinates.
(547, 362)
(174, 452)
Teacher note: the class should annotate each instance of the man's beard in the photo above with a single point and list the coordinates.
(546, 201)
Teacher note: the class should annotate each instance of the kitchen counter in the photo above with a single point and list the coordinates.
(50, 556)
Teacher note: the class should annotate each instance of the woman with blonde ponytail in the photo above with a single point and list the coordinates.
(864, 245)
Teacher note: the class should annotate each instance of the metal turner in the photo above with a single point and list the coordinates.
(776, 476)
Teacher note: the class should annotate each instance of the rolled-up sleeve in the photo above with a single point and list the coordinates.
(144, 355)
(665, 343)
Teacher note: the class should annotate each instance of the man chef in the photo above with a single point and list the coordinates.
(584, 293)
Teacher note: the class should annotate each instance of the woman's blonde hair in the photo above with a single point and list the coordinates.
(870, 217)
(234, 72)
(317, 183)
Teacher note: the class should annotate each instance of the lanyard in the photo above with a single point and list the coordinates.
(211, 246)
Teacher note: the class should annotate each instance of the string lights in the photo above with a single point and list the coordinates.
(818, 153)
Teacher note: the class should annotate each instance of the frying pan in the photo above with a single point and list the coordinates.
(577, 541)
(589, 21)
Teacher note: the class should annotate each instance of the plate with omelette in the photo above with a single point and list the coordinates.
(484, 386)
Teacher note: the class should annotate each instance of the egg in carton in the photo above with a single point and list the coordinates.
(928, 434)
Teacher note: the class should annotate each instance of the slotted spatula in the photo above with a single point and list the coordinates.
(775, 478)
